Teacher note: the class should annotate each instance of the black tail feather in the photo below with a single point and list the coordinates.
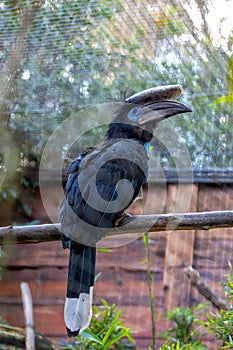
(81, 275)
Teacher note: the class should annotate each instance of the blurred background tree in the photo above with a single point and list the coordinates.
(58, 56)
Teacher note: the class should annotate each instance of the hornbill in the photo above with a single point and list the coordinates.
(103, 181)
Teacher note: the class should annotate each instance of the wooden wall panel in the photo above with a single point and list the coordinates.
(124, 280)
(214, 248)
(179, 249)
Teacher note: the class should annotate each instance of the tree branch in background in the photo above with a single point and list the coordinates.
(8, 91)
(203, 289)
(135, 224)
(15, 60)
(28, 315)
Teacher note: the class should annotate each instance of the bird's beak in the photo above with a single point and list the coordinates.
(162, 110)
(158, 103)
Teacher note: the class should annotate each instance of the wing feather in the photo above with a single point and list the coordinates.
(117, 182)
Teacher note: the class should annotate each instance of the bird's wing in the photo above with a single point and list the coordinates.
(101, 185)
(66, 218)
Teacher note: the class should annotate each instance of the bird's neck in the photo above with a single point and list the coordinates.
(127, 131)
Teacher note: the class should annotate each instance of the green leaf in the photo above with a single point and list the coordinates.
(125, 333)
(146, 240)
(98, 276)
(231, 76)
(90, 336)
(105, 250)
(110, 330)
(224, 99)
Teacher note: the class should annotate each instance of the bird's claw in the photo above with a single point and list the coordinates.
(66, 241)
(119, 221)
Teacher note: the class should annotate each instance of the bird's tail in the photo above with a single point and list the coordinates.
(81, 274)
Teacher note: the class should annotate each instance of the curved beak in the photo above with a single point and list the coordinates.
(158, 103)
(162, 110)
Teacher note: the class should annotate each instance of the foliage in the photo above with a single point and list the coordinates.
(229, 97)
(74, 54)
(11, 191)
(2, 321)
(79, 53)
(177, 346)
(221, 324)
(186, 334)
(228, 285)
(185, 329)
(107, 331)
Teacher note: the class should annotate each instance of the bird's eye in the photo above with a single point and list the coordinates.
(134, 113)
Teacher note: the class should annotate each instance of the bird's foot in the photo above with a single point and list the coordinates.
(119, 221)
(138, 199)
(66, 241)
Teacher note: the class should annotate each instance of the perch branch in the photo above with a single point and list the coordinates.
(28, 315)
(203, 289)
(135, 224)
(13, 336)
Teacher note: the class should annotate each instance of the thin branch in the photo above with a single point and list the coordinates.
(28, 315)
(150, 288)
(203, 289)
(130, 224)
(13, 336)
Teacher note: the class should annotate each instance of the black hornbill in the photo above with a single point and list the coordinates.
(103, 182)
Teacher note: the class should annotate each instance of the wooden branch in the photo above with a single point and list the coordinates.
(203, 289)
(28, 315)
(135, 224)
(16, 337)
(30, 234)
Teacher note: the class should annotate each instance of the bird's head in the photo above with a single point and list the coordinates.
(141, 113)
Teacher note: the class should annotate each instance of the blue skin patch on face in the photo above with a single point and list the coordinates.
(134, 114)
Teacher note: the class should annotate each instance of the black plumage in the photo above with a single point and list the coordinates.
(102, 183)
